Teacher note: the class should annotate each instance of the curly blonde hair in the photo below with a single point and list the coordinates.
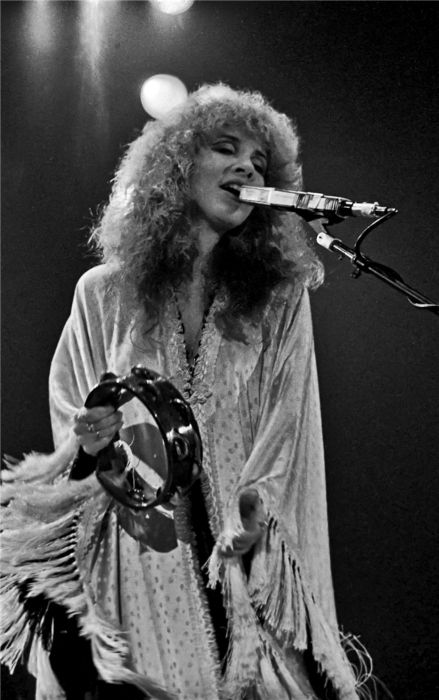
(145, 229)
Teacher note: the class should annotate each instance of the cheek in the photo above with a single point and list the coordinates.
(200, 191)
(201, 180)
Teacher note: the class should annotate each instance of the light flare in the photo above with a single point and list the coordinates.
(162, 93)
(39, 25)
(172, 7)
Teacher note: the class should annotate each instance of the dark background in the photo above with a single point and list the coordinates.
(360, 78)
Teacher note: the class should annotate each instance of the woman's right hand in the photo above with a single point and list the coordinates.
(96, 427)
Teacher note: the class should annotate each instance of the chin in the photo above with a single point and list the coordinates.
(232, 223)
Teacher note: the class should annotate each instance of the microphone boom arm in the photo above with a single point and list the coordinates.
(362, 263)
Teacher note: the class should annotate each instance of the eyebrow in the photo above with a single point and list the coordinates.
(236, 139)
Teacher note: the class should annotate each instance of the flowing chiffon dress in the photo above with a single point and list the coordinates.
(143, 605)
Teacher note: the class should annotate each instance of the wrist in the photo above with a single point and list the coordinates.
(83, 465)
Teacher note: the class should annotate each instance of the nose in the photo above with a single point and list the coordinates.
(244, 168)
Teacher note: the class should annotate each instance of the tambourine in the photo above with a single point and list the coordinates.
(178, 428)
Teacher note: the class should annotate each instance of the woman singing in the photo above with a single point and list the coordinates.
(231, 596)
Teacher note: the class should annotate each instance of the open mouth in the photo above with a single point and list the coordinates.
(232, 189)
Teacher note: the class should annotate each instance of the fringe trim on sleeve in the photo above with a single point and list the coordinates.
(38, 558)
(276, 608)
(42, 468)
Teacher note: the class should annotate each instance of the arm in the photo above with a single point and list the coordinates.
(286, 427)
(79, 359)
(285, 460)
(286, 599)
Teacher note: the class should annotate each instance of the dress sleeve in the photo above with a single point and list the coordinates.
(286, 462)
(287, 598)
(79, 359)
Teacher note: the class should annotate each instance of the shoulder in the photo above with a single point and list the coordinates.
(103, 299)
(97, 281)
(97, 296)
(288, 296)
(99, 286)
(288, 311)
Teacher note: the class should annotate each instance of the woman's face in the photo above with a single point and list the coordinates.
(232, 158)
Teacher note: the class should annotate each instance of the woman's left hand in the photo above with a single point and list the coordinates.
(254, 520)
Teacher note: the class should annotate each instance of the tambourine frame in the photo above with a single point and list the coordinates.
(178, 429)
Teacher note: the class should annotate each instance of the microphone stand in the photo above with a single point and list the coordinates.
(362, 263)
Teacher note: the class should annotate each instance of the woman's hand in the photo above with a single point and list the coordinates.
(96, 427)
(254, 520)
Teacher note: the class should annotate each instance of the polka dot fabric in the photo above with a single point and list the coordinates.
(257, 408)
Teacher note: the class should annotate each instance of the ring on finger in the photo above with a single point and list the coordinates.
(90, 427)
(98, 435)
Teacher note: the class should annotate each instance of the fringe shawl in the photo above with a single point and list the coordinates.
(39, 548)
(273, 395)
(272, 609)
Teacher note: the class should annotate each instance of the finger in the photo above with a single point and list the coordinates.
(252, 520)
(88, 431)
(96, 447)
(90, 440)
(251, 524)
(115, 419)
(244, 542)
(82, 426)
(105, 433)
(234, 551)
(89, 415)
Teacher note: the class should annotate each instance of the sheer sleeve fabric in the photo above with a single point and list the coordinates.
(79, 359)
(286, 464)
(287, 600)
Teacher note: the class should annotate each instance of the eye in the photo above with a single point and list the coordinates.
(260, 167)
(224, 147)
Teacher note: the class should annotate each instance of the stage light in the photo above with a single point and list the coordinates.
(172, 7)
(161, 93)
(40, 25)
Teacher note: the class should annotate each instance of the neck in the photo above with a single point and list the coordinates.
(194, 297)
(207, 240)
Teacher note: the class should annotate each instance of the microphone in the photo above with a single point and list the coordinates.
(312, 205)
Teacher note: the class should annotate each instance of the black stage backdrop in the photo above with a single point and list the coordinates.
(361, 80)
